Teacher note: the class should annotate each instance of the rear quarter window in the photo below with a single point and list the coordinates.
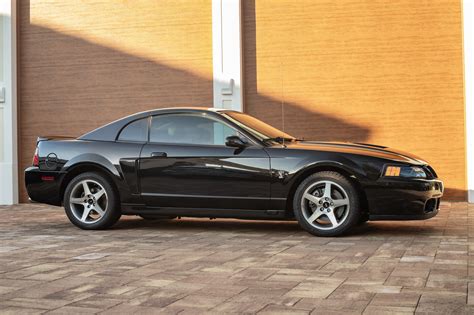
(136, 131)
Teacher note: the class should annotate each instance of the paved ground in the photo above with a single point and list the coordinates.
(196, 266)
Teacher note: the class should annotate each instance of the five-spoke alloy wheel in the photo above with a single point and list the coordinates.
(90, 202)
(326, 204)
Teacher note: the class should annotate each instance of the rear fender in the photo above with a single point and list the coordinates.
(93, 159)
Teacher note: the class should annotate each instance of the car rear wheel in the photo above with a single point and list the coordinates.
(326, 204)
(91, 203)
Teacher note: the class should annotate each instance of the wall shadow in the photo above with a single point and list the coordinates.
(284, 114)
(293, 117)
(69, 85)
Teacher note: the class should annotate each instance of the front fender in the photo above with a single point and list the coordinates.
(288, 172)
(344, 164)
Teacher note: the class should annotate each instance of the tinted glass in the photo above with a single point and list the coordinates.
(135, 131)
(254, 126)
(189, 129)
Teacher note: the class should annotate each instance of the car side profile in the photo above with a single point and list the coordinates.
(197, 162)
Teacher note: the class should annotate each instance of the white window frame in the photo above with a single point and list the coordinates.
(227, 54)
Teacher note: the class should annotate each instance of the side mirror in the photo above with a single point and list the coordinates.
(235, 142)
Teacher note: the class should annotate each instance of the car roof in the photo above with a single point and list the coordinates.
(188, 108)
(109, 131)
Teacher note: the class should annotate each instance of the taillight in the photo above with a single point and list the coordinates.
(36, 158)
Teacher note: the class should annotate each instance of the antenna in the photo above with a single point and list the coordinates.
(282, 98)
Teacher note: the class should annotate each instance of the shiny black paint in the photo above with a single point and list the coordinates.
(222, 181)
(205, 176)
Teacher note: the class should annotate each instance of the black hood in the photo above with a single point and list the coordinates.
(358, 148)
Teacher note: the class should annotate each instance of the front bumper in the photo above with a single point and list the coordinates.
(404, 199)
(43, 186)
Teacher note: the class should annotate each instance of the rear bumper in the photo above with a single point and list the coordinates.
(43, 186)
(404, 199)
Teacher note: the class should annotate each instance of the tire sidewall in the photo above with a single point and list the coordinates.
(353, 216)
(112, 213)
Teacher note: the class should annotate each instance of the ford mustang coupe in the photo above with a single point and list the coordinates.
(196, 162)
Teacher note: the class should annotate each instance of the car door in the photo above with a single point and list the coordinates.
(186, 164)
(126, 150)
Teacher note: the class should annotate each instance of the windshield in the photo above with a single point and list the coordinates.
(257, 128)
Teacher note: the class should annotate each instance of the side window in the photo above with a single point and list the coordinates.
(136, 131)
(189, 129)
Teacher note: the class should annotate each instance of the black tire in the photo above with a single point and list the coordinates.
(112, 210)
(304, 207)
(152, 217)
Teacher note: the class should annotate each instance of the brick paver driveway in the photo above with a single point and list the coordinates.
(194, 266)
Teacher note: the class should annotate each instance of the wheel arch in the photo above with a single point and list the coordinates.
(303, 174)
(84, 167)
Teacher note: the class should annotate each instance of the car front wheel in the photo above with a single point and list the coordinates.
(90, 202)
(326, 204)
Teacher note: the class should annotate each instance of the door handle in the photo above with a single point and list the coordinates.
(159, 154)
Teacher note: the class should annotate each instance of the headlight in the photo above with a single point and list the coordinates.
(405, 171)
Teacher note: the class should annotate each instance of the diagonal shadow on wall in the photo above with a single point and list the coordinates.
(69, 85)
(283, 113)
(296, 118)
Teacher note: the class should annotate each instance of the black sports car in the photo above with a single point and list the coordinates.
(167, 163)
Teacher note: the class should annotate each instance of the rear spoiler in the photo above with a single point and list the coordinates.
(47, 138)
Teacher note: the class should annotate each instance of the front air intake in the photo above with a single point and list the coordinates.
(431, 205)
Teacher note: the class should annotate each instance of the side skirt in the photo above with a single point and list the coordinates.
(129, 209)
